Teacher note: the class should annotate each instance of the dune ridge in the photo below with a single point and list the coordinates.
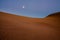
(14, 27)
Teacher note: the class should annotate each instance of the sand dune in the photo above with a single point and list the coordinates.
(14, 27)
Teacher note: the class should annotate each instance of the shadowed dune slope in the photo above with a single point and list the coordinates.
(14, 27)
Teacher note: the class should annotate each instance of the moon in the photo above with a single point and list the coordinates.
(23, 6)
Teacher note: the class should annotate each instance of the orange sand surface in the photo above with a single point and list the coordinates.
(14, 27)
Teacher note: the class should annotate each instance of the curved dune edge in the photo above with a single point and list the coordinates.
(14, 27)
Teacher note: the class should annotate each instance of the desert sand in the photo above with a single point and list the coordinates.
(14, 27)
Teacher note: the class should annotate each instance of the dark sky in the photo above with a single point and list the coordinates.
(31, 8)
